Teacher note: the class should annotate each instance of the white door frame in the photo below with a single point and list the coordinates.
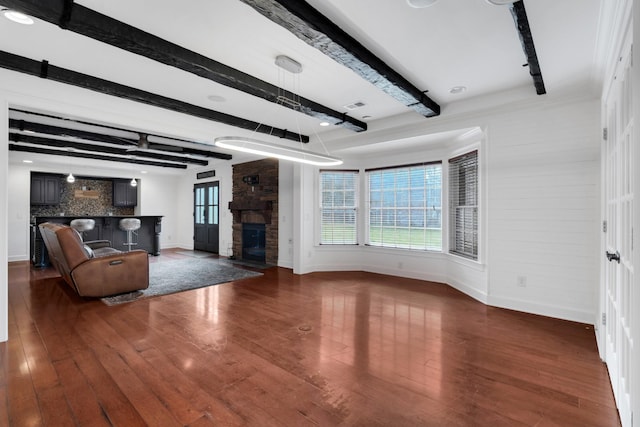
(618, 281)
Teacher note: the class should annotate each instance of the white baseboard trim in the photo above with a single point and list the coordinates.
(286, 264)
(468, 290)
(409, 274)
(332, 267)
(565, 313)
(15, 258)
(176, 245)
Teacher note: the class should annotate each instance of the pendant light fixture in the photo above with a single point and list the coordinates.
(133, 182)
(254, 146)
(70, 178)
(279, 151)
(18, 17)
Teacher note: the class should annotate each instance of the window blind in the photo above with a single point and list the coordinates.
(338, 207)
(405, 206)
(463, 205)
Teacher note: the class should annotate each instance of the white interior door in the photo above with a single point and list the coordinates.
(618, 265)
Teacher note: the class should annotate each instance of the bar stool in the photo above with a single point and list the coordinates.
(81, 225)
(130, 225)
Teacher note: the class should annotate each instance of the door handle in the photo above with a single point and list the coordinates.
(613, 257)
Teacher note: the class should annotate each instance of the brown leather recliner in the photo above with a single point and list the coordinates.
(95, 272)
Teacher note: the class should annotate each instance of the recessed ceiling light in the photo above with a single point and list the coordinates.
(419, 4)
(324, 124)
(366, 117)
(18, 17)
(143, 171)
(27, 161)
(457, 89)
(216, 98)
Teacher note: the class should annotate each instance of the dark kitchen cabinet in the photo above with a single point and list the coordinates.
(45, 189)
(124, 195)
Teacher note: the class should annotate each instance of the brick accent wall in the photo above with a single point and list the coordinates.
(257, 203)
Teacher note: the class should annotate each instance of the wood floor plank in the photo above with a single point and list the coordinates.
(323, 349)
(79, 394)
(112, 403)
(181, 407)
(22, 401)
(151, 408)
(54, 407)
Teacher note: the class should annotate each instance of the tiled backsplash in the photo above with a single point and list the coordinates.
(70, 205)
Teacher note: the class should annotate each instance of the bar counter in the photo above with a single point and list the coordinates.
(106, 228)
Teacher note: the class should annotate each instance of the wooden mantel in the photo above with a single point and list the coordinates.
(265, 207)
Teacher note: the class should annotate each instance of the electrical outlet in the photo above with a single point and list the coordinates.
(522, 281)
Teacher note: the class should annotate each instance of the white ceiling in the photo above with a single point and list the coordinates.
(467, 43)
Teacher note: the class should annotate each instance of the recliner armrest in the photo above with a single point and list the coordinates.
(97, 244)
(112, 274)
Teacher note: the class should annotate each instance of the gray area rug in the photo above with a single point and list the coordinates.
(180, 275)
(196, 254)
(252, 264)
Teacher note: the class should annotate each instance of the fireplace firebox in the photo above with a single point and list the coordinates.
(253, 242)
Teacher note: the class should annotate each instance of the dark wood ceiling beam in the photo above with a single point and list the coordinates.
(51, 72)
(318, 31)
(59, 143)
(526, 39)
(87, 22)
(50, 152)
(24, 125)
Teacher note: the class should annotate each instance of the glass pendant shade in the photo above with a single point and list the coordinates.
(71, 179)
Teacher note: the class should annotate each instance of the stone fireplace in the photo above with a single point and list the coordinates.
(255, 204)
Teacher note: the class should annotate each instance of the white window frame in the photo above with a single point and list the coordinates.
(452, 207)
(356, 175)
(440, 208)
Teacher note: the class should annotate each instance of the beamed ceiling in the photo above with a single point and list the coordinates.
(363, 63)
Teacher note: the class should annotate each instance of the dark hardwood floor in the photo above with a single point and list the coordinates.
(350, 349)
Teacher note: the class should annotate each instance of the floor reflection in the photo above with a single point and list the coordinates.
(384, 337)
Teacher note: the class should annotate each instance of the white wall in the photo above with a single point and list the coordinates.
(543, 167)
(4, 208)
(18, 212)
(285, 214)
(635, 293)
(156, 196)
